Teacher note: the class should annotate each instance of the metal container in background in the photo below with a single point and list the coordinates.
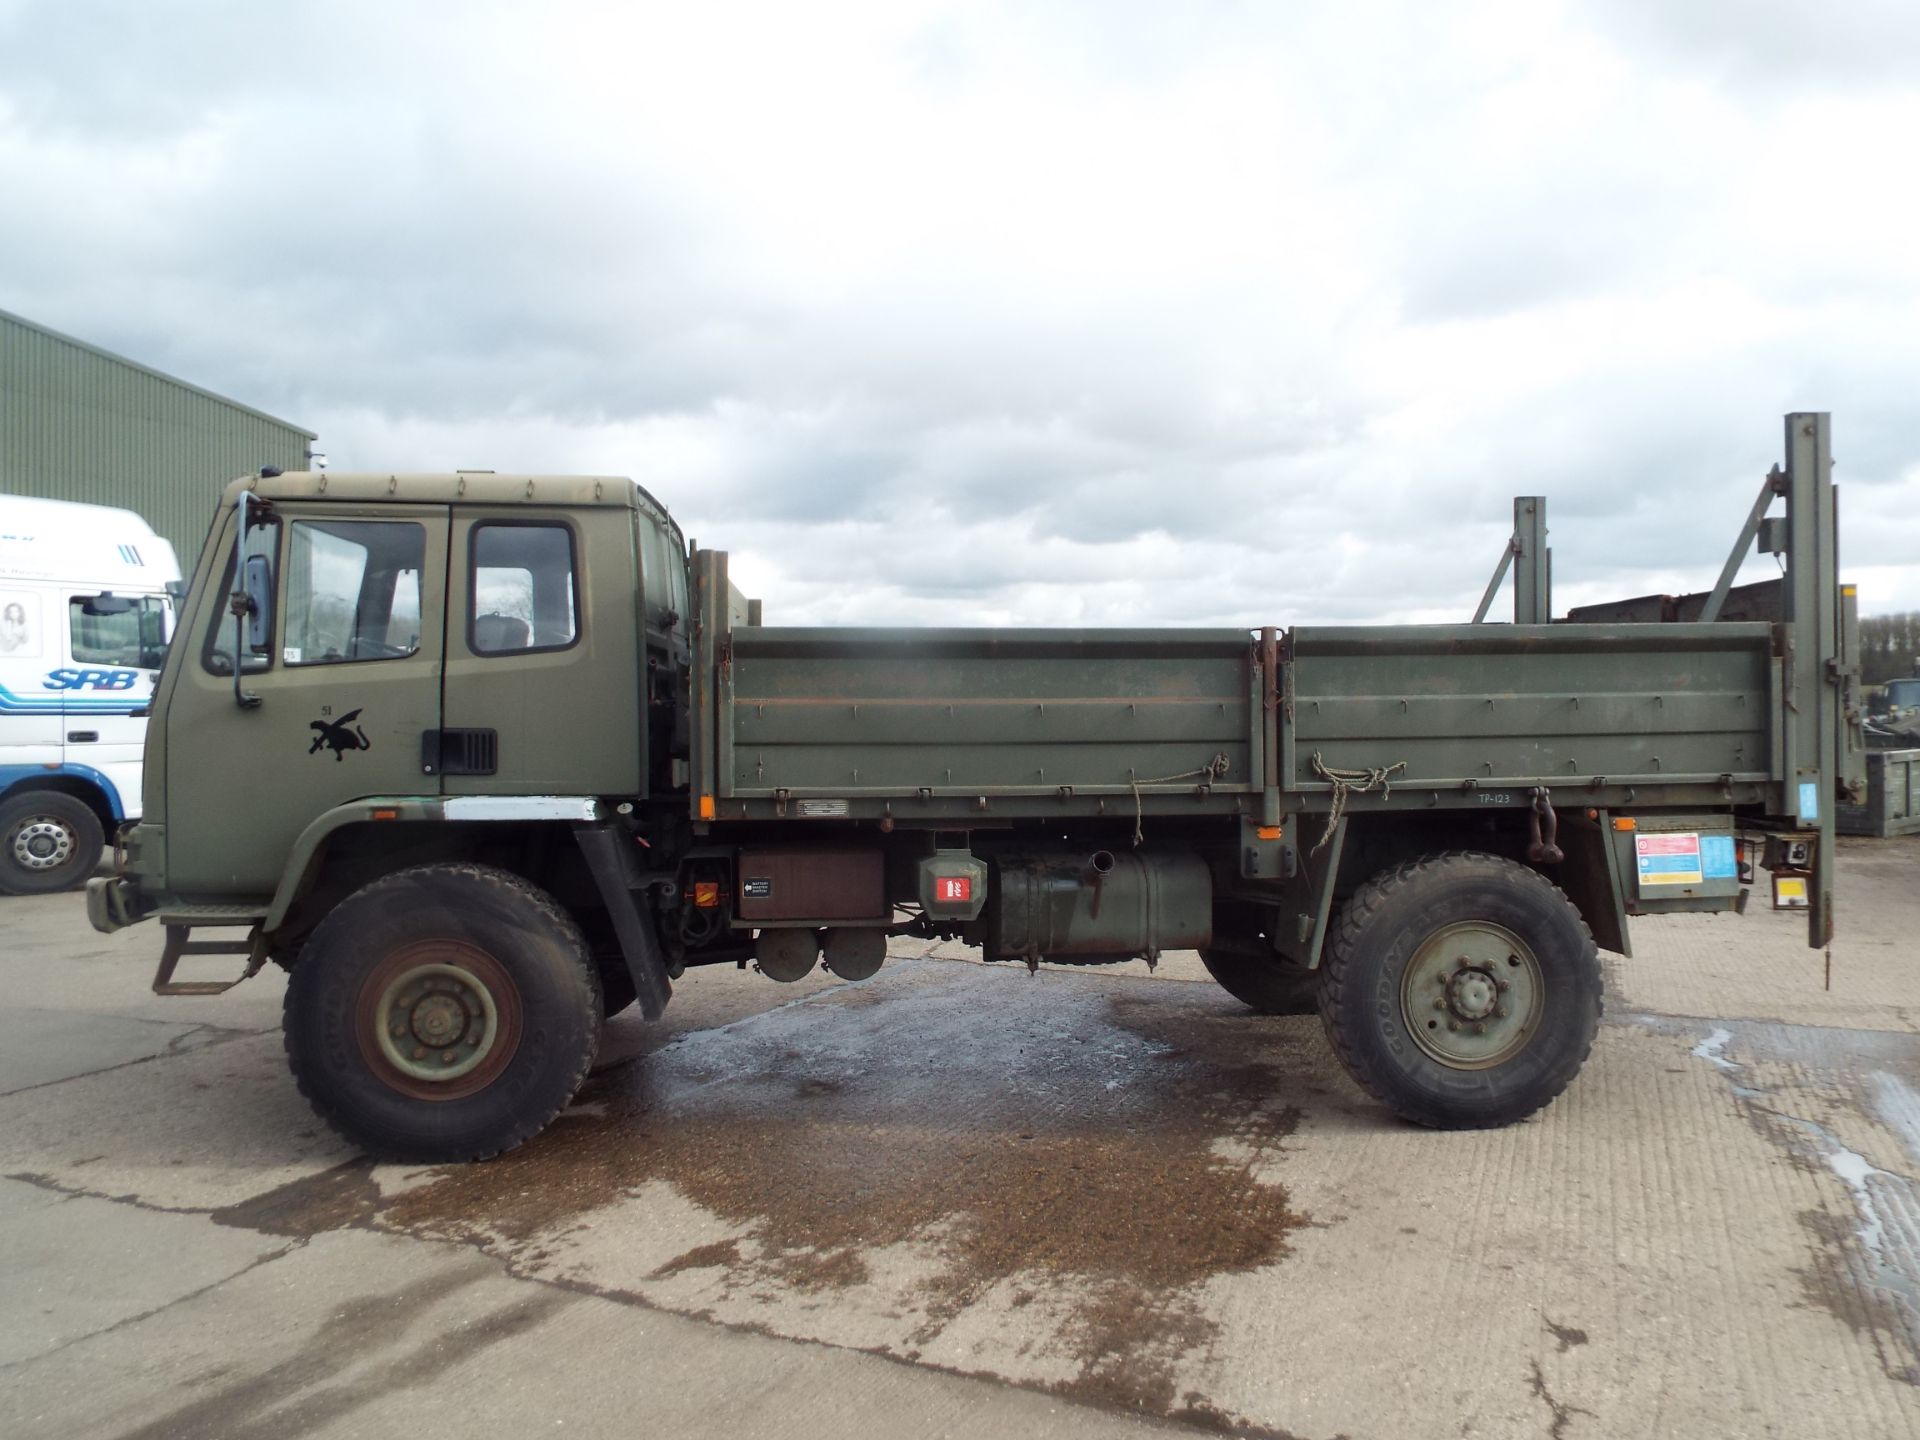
(1893, 797)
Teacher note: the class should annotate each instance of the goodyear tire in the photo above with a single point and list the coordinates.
(1461, 991)
(441, 1014)
(1272, 986)
(49, 841)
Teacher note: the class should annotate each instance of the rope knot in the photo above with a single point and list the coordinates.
(1350, 782)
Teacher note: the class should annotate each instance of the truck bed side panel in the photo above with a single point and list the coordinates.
(851, 712)
(1535, 704)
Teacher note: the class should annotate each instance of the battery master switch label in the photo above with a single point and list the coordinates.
(1669, 859)
(757, 887)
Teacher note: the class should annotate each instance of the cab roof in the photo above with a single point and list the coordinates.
(67, 541)
(466, 487)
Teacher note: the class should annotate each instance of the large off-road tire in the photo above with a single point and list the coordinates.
(1268, 984)
(1461, 991)
(48, 841)
(444, 1013)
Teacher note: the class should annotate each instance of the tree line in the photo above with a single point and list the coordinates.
(1889, 647)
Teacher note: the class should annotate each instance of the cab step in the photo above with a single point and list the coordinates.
(180, 925)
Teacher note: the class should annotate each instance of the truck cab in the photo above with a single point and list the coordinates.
(85, 618)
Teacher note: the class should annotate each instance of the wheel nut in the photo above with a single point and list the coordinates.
(1501, 1013)
(1480, 1029)
(446, 1057)
(1453, 1024)
(419, 1052)
(1438, 1005)
(1503, 986)
(399, 1032)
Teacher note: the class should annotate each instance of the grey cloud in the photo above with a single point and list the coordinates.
(1282, 394)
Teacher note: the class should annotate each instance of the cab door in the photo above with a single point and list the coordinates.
(335, 689)
(543, 656)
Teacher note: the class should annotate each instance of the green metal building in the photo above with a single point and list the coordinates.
(79, 423)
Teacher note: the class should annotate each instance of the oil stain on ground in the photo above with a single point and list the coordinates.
(1084, 1159)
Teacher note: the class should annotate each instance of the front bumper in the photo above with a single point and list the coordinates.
(114, 902)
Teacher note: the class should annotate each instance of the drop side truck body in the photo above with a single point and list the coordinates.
(480, 758)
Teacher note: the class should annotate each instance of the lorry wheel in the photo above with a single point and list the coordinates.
(48, 841)
(444, 1013)
(1271, 986)
(1461, 991)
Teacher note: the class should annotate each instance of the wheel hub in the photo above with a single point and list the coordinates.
(42, 844)
(1472, 995)
(436, 1022)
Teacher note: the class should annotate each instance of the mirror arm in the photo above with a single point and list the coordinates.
(242, 605)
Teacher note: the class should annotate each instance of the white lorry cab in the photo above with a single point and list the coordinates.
(86, 611)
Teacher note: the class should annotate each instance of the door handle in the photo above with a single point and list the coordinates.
(82, 737)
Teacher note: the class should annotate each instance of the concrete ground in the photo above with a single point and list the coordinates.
(959, 1200)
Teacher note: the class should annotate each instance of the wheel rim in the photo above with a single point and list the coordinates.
(438, 1020)
(1472, 995)
(41, 843)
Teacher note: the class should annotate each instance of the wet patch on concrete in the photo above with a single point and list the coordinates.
(334, 1199)
(374, 1347)
(983, 1176)
(1865, 1269)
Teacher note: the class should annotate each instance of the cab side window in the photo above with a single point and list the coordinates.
(522, 594)
(353, 591)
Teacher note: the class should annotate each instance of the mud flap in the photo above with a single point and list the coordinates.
(610, 858)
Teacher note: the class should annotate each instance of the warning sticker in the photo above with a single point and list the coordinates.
(953, 889)
(1669, 859)
(1717, 857)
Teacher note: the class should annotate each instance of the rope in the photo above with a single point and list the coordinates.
(1206, 774)
(1350, 782)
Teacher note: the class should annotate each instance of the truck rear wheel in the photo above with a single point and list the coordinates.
(1271, 985)
(1461, 991)
(48, 841)
(444, 1013)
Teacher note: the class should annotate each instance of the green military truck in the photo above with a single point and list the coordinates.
(482, 758)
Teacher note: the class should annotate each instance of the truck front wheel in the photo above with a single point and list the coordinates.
(444, 1013)
(1461, 991)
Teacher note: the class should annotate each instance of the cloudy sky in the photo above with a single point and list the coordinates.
(1094, 312)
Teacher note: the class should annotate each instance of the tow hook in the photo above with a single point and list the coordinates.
(1543, 829)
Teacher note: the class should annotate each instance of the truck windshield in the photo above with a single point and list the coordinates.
(130, 632)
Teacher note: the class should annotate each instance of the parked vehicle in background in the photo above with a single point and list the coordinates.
(532, 756)
(1893, 715)
(85, 615)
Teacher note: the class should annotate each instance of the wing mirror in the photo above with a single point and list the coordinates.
(259, 592)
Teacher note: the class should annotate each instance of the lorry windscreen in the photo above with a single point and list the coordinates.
(126, 631)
